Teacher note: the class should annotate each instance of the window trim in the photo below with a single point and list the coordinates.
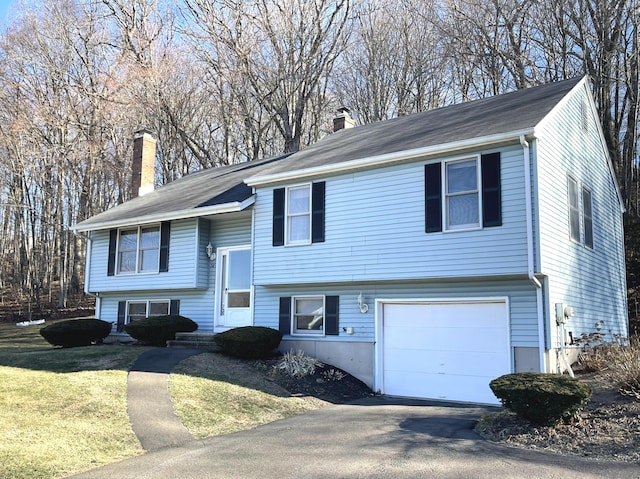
(308, 214)
(584, 216)
(580, 235)
(445, 194)
(308, 332)
(147, 303)
(574, 210)
(139, 250)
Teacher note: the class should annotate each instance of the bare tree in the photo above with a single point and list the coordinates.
(277, 53)
(396, 62)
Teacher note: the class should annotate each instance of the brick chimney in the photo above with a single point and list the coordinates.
(144, 160)
(343, 120)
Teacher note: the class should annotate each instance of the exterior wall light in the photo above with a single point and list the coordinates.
(211, 252)
(363, 306)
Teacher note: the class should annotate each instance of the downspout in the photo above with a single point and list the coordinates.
(530, 258)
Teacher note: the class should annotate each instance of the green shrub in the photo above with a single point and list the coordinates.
(157, 330)
(76, 332)
(542, 399)
(250, 342)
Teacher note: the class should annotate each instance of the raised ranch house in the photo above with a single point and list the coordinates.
(425, 255)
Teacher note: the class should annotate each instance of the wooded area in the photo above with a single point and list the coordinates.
(221, 82)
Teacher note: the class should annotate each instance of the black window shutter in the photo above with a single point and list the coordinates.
(331, 319)
(122, 314)
(174, 306)
(278, 216)
(111, 262)
(285, 315)
(491, 190)
(317, 212)
(433, 197)
(165, 233)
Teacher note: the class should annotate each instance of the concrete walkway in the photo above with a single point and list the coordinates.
(151, 412)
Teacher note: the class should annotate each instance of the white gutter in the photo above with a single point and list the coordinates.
(168, 216)
(386, 159)
(530, 257)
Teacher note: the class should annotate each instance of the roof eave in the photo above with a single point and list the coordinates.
(387, 159)
(232, 207)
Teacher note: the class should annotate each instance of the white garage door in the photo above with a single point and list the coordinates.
(444, 350)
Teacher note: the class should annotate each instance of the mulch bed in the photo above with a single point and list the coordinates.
(608, 428)
(328, 383)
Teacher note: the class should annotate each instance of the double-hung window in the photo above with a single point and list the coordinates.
(133, 310)
(580, 213)
(463, 194)
(299, 214)
(139, 250)
(308, 315)
(574, 209)
(145, 309)
(462, 204)
(587, 217)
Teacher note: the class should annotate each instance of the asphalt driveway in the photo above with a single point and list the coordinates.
(379, 438)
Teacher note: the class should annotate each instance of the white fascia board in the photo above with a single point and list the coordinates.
(387, 159)
(169, 216)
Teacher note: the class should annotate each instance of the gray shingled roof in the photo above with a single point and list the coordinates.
(206, 188)
(503, 114)
(511, 112)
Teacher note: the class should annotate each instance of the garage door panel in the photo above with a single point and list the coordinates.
(452, 315)
(441, 387)
(460, 339)
(447, 362)
(445, 350)
(405, 360)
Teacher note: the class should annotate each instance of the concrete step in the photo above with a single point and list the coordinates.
(195, 336)
(193, 341)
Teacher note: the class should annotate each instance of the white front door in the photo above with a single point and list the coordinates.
(233, 291)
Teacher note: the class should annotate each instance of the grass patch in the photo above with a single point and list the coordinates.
(56, 424)
(229, 396)
(62, 411)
